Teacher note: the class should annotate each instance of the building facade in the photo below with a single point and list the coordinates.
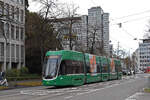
(97, 18)
(12, 34)
(106, 33)
(63, 26)
(96, 22)
(144, 54)
(135, 59)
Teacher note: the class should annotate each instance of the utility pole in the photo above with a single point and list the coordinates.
(87, 37)
(118, 50)
(70, 33)
(102, 49)
(129, 61)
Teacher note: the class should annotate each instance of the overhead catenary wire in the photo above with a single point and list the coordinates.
(132, 20)
(123, 20)
(127, 19)
(137, 19)
(128, 33)
(120, 26)
(135, 14)
(142, 18)
(93, 2)
(112, 38)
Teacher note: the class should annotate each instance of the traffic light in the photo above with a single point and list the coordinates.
(120, 25)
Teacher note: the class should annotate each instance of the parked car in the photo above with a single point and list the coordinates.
(124, 72)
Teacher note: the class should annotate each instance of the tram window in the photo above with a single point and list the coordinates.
(119, 68)
(88, 67)
(71, 67)
(104, 68)
(116, 68)
(62, 70)
(98, 68)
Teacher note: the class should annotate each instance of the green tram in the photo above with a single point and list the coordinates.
(71, 68)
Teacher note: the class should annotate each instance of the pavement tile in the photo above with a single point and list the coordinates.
(144, 96)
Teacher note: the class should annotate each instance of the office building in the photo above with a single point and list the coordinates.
(12, 34)
(144, 54)
(84, 28)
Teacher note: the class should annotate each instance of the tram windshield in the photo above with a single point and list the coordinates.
(50, 67)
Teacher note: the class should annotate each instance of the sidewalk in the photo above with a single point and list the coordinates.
(144, 96)
(139, 96)
(22, 84)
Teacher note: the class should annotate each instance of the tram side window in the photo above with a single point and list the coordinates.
(88, 67)
(71, 67)
(98, 68)
(104, 68)
(119, 68)
(62, 70)
(116, 68)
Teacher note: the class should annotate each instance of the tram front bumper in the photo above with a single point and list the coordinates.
(46, 82)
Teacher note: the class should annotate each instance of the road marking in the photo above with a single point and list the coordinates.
(37, 92)
(111, 86)
(46, 92)
(68, 97)
(31, 92)
(134, 96)
(9, 95)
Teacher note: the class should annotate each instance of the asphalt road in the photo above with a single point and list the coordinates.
(111, 90)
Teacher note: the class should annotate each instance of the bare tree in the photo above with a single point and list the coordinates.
(94, 38)
(49, 9)
(69, 23)
(147, 32)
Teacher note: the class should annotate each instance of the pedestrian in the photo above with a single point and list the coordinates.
(3, 74)
(1, 78)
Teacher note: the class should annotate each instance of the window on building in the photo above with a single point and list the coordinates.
(17, 51)
(22, 2)
(13, 51)
(17, 33)
(12, 12)
(8, 50)
(7, 10)
(22, 52)
(17, 1)
(12, 32)
(1, 49)
(1, 29)
(1, 8)
(17, 14)
(7, 30)
(22, 33)
(22, 15)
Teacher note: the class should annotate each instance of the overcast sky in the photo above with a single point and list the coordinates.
(133, 26)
